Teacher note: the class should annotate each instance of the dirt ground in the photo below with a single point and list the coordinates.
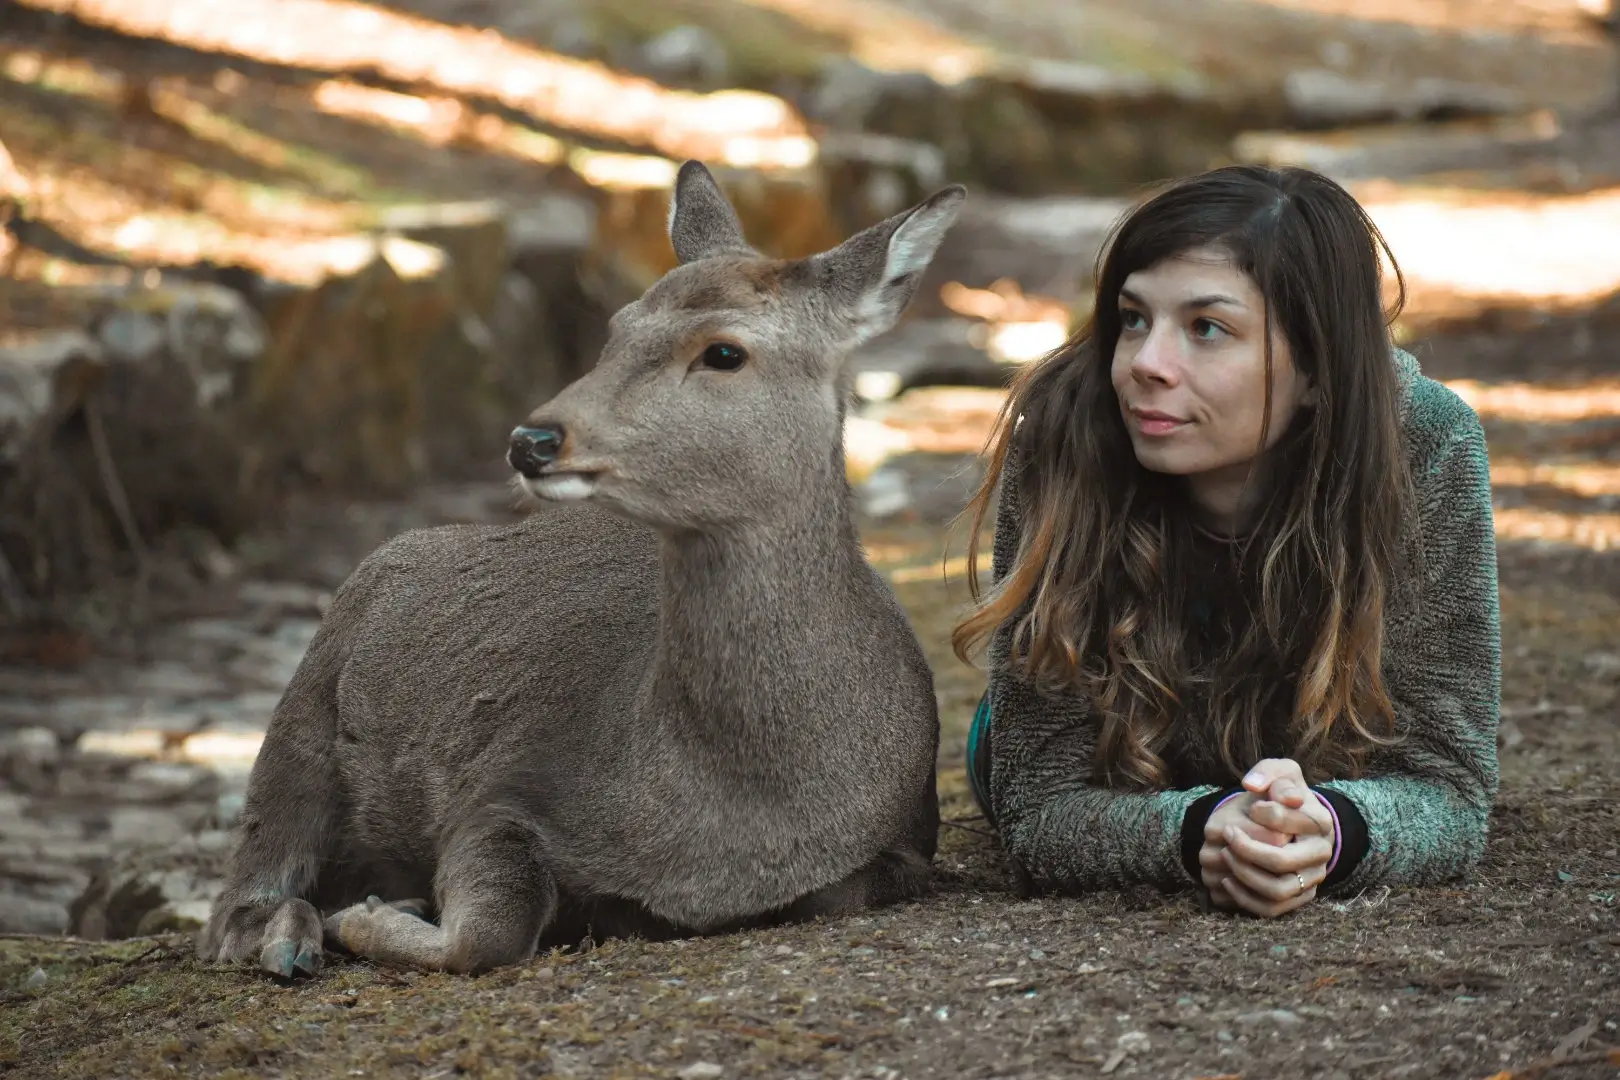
(1515, 972)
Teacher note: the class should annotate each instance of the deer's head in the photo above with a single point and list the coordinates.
(719, 395)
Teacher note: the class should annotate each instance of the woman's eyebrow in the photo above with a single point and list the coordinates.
(1210, 300)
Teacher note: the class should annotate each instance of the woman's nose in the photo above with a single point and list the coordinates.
(1157, 358)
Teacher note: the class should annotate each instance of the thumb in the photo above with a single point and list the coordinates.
(1268, 771)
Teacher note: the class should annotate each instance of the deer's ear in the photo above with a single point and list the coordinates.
(701, 219)
(874, 274)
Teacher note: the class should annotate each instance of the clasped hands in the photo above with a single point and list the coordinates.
(1267, 850)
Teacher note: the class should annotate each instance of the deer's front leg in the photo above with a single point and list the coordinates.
(495, 899)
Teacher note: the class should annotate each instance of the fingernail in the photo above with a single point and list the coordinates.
(1253, 778)
(1231, 833)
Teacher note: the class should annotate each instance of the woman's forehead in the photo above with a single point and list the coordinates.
(1195, 274)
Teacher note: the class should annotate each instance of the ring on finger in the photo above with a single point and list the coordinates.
(1301, 879)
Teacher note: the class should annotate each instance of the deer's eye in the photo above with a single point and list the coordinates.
(724, 357)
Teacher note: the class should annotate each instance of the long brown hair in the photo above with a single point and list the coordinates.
(1097, 596)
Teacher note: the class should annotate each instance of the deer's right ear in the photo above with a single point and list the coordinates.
(701, 219)
(874, 274)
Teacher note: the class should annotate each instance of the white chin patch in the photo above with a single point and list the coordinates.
(564, 487)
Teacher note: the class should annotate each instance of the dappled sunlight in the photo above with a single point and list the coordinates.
(105, 215)
(1500, 246)
(443, 121)
(887, 38)
(734, 127)
(1586, 479)
(1548, 17)
(62, 75)
(222, 751)
(1596, 532)
(1529, 403)
(1020, 328)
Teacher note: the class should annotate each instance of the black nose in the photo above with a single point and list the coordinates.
(533, 448)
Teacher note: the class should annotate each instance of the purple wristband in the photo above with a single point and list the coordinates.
(1338, 833)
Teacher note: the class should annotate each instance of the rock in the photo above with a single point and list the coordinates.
(686, 55)
(1402, 149)
(26, 915)
(1134, 1042)
(208, 329)
(147, 891)
(42, 380)
(1324, 98)
(701, 1070)
(1046, 247)
(925, 352)
(1277, 1017)
(227, 808)
(342, 392)
(32, 744)
(36, 980)
(132, 337)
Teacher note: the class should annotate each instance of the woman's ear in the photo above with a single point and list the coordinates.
(1311, 396)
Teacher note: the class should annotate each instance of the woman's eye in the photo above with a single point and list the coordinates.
(1130, 319)
(1205, 330)
(723, 357)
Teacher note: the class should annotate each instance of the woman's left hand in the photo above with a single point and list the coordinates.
(1270, 880)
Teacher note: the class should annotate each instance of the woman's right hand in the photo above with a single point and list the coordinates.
(1212, 863)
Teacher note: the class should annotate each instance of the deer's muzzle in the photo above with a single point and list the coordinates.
(533, 448)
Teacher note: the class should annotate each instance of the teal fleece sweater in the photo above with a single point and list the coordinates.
(1425, 801)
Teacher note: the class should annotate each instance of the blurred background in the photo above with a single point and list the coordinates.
(277, 277)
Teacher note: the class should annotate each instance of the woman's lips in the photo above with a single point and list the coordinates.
(1151, 422)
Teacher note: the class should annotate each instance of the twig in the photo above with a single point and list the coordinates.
(116, 494)
(966, 828)
(1572, 1042)
(159, 947)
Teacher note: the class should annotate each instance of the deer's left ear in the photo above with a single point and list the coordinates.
(874, 274)
(702, 221)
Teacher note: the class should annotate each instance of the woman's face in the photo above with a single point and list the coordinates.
(1190, 373)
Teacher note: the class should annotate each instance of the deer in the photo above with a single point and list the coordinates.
(674, 699)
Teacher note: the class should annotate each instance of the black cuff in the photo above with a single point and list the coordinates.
(1352, 836)
(1192, 829)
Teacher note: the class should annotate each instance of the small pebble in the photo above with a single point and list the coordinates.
(1135, 1042)
(784, 950)
(701, 1070)
(1280, 1017)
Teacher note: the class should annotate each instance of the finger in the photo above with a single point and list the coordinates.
(1247, 900)
(1210, 855)
(1218, 896)
(1287, 791)
(1269, 885)
(1305, 854)
(1255, 831)
(1307, 820)
(1268, 771)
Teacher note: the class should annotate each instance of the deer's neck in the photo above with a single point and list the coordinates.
(747, 617)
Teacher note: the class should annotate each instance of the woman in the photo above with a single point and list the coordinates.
(1243, 625)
